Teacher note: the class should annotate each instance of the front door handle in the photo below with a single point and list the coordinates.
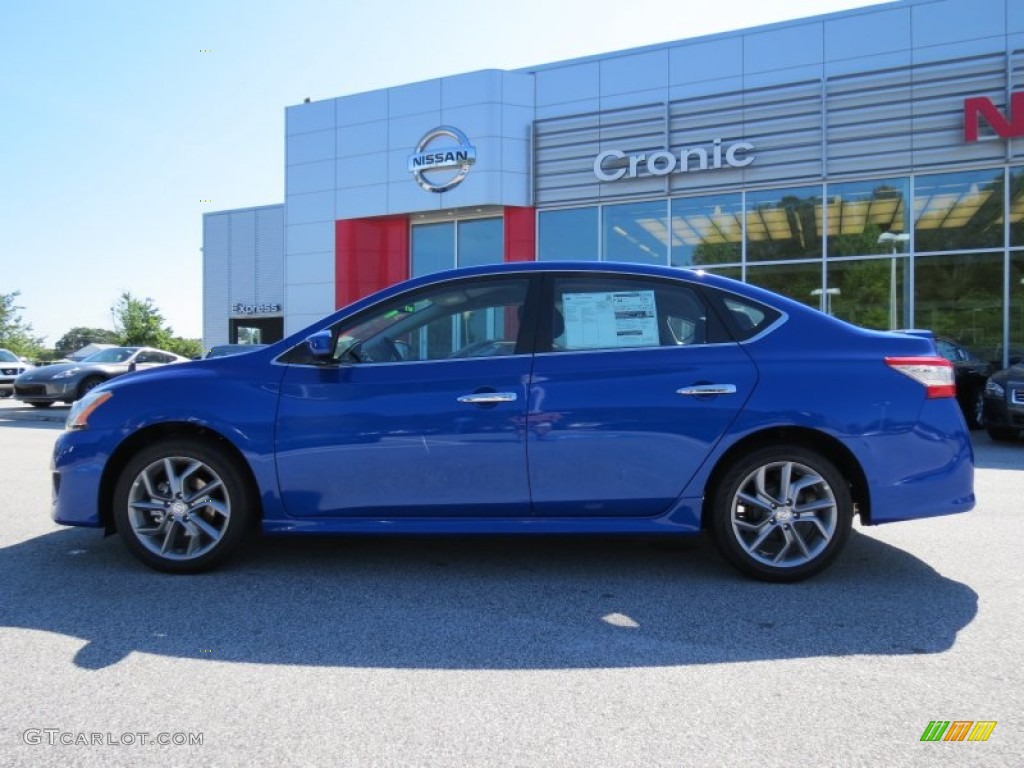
(708, 389)
(488, 398)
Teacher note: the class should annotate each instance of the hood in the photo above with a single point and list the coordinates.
(47, 371)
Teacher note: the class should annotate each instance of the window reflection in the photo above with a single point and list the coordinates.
(955, 211)
(567, 235)
(961, 296)
(433, 248)
(783, 224)
(1016, 206)
(481, 241)
(872, 293)
(859, 213)
(1016, 329)
(707, 230)
(636, 233)
(798, 281)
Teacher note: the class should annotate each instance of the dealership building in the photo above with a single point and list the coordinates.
(869, 163)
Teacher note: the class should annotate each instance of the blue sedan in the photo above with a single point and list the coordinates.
(531, 398)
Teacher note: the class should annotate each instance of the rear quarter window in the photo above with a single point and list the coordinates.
(745, 318)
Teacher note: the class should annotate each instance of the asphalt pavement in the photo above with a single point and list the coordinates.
(454, 651)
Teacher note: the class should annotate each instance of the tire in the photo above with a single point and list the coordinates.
(90, 383)
(1002, 434)
(190, 530)
(766, 531)
(975, 416)
(40, 405)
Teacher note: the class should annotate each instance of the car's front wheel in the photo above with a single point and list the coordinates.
(781, 513)
(183, 505)
(90, 383)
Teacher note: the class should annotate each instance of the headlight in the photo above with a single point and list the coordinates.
(66, 374)
(78, 417)
(994, 389)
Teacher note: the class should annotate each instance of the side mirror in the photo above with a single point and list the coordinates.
(132, 367)
(321, 346)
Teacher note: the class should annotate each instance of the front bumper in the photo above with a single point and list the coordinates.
(77, 463)
(45, 391)
(1003, 412)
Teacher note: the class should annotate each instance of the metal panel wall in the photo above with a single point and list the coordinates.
(243, 261)
(886, 121)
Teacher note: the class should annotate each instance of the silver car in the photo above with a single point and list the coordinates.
(66, 382)
(11, 366)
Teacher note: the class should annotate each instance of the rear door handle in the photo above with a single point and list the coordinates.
(488, 398)
(708, 389)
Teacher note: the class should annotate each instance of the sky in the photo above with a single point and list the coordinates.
(122, 122)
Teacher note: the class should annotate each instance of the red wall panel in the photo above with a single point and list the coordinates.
(520, 234)
(369, 254)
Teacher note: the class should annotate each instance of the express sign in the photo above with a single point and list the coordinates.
(1009, 127)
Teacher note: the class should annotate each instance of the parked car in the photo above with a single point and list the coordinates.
(67, 382)
(11, 366)
(531, 398)
(1004, 403)
(223, 350)
(971, 373)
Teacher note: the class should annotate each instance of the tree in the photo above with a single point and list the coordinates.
(139, 323)
(79, 337)
(192, 348)
(15, 334)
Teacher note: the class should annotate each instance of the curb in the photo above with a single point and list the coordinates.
(11, 414)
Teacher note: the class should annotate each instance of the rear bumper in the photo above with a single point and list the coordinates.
(924, 470)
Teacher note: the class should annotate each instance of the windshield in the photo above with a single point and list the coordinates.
(115, 355)
(8, 357)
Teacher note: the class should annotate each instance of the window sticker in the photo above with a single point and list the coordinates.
(609, 320)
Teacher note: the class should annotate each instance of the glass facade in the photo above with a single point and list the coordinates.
(942, 251)
(706, 230)
(569, 234)
(449, 244)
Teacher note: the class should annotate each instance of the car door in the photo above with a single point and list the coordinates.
(148, 358)
(420, 412)
(640, 381)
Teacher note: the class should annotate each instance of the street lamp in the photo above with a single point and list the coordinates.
(828, 293)
(894, 241)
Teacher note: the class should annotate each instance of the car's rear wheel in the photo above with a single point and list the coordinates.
(183, 505)
(90, 383)
(1002, 434)
(40, 405)
(781, 513)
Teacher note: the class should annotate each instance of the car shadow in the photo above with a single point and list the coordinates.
(477, 603)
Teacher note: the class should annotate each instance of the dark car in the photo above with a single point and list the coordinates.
(536, 398)
(1004, 403)
(223, 350)
(971, 374)
(11, 367)
(67, 382)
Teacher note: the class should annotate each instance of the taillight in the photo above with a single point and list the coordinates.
(934, 373)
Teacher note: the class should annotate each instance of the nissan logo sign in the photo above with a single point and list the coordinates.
(433, 155)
